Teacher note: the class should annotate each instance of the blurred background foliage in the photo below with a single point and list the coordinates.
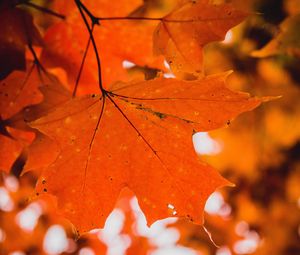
(261, 150)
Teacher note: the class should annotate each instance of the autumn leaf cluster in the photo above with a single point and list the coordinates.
(99, 98)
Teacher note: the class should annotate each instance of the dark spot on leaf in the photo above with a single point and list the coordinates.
(187, 121)
(160, 115)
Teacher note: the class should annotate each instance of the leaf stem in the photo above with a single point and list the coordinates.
(81, 66)
(42, 9)
(128, 18)
(37, 62)
(82, 8)
(92, 17)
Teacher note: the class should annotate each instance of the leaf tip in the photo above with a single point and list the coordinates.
(270, 98)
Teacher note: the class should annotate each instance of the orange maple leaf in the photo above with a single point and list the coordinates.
(137, 135)
(182, 34)
(54, 94)
(19, 90)
(44, 148)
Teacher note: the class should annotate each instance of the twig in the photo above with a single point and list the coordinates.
(43, 9)
(81, 7)
(81, 66)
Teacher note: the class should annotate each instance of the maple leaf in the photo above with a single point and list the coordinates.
(20, 93)
(54, 94)
(19, 90)
(43, 147)
(182, 34)
(137, 135)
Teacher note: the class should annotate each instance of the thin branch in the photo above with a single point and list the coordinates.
(81, 65)
(43, 9)
(38, 63)
(128, 18)
(92, 17)
(35, 57)
(80, 6)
